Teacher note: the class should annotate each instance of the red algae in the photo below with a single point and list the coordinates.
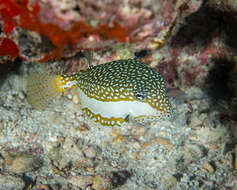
(8, 47)
(9, 9)
(8, 27)
(60, 38)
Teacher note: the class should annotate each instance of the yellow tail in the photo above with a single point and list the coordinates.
(42, 89)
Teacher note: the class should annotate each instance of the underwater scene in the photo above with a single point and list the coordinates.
(118, 95)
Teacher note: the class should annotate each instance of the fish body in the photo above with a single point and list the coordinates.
(111, 92)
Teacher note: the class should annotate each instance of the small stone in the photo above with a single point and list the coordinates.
(83, 128)
(119, 139)
(228, 160)
(55, 187)
(90, 152)
(145, 145)
(1, 126)
(89, 168)
(101, 182)
(22, 163)
(81, 181)
(67, 154)
(134, 155)
(195, 121)
(41, 187)
(21, 95)
(208, 167)
(218, 135)
(170, 181)
(69, 96)
(119, 178)
(207, 123)
(193, 152)
(11, 182)
(138, 131)
(75, 99)
(163, 141)
(115, 132)
(54, 154)
(42, 179)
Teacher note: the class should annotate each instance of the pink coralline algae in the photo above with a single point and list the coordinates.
(74, 26)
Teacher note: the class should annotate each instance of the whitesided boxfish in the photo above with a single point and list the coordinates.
(109, 93)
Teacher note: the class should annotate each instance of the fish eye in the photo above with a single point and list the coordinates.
(139, 96)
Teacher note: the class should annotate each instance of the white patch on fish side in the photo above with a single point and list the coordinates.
(119, 109)
(69, 84)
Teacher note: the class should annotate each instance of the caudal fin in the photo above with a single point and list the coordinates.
(42, 89)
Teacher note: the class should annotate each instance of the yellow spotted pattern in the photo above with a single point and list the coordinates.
(112, 121)
(124, 80)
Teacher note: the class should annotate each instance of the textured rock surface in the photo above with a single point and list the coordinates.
(11, 182)
(190, 152)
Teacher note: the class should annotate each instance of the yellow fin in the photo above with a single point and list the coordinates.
(42, 89)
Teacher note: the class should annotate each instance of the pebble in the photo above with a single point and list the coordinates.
(89, 152)
(119, 139)
(75, 99)
(41, 187)
(1, 126)
(193, 151)
(66, 154)
(69, 96)
(21, 95)
(228, 160)
(163, 141)
(145, 145)
(11, 182)
(207, 123)
(119, 178)
(195, 121)
(170, 181)
(138, 131)
(115, 132)
(83, 128)
(218, 135)
(101, 182)
(208, 167)
(134, 155)
(55, 187)
(21, 163)
(43, 179)
(54, 154)
(81, 181)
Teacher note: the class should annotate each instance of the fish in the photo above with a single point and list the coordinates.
(110, 94)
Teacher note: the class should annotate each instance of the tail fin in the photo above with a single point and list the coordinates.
(42, 89)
